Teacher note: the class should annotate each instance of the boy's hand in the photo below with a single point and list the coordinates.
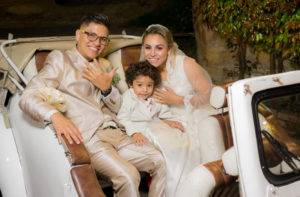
(174, 124)
(139, 139)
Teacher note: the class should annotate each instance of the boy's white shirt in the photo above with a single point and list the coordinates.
(136, 113)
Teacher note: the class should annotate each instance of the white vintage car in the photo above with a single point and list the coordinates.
(250, 149)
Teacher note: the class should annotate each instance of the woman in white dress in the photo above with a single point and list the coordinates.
(186, 88)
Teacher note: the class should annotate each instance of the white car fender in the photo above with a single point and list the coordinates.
(11, 179)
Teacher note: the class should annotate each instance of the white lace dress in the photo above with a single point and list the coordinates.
(180, 149)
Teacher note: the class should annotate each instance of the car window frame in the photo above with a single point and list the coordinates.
(282, 179)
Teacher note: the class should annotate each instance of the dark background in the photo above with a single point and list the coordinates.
(38, 18)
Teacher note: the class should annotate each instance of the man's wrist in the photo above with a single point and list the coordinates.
(54, 115)
(47, 118)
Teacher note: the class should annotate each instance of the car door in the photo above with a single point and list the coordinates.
(265, 120)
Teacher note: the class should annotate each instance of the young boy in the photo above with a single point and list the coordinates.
(138, 108)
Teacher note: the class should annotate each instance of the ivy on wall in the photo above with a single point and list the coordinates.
(269, 25)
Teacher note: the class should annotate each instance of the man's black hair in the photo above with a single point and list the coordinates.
(98, 18)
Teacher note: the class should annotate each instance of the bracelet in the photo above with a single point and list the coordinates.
(106, 92)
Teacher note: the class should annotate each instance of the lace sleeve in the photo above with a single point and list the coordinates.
(200, 81)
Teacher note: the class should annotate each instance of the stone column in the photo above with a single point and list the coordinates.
(212, 52)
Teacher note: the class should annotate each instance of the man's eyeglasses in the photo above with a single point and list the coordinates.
(93, 37)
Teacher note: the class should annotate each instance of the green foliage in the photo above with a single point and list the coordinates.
(278, 24)
(270, 25)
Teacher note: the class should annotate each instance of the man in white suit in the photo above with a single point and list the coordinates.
(91, 103)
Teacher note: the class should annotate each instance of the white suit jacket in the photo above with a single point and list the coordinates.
(85, 105)
(136, 113)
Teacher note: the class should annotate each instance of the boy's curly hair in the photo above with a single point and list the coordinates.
(142, 68)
